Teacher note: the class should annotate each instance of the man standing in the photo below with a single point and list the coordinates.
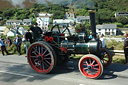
(36, 31)
(3, 48)
(28, 36)
(18, 42)
(126, 47)
(102, 40)
(8, 42)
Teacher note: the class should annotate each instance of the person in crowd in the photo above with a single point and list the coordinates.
(28, 36)
(83, 30)
(46, 28)
(102, 40)
(2, 45)
(90, 36)
(24, 39)
(36, 31)
(18, 42)
(26, 44)
(8, 42)
(126, 47)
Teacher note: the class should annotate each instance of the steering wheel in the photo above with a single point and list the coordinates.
(59, 30)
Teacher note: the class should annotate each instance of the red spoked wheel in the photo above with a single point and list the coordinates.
(41, 57)
(106, 57)
(91, 66)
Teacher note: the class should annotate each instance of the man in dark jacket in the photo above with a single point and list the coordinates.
(126, 47)
(28, 36)
(36, 31)
(18, 42)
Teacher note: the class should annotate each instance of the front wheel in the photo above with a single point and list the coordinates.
(91, 66)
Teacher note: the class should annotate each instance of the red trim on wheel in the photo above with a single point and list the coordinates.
(32, 61)
(90, 73)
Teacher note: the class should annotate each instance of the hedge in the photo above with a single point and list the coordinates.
(114, 45)
(12, 48)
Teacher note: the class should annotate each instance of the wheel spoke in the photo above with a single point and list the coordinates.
(105, 60)
(102, 61)
(48, 62)
(86, 62)
(43, 66)
(46, 54)
(36, 50)
(96, 65)
(37, 64)
(85, 68)
(39, 49)
(91, 73)
(90, 61)
(87, 71)
(47, 58)
(35, 53)
(35, 60)
(40, 65)
(93, 62)
(106, 56)
(34, 56)
(96, 69)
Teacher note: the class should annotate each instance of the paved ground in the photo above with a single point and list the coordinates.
(115, 69)
(16, 71)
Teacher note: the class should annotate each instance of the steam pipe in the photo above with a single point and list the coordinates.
(93, 24)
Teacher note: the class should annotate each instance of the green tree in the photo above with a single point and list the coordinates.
(122, 20)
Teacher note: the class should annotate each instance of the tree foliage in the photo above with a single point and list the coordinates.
(122, 20)
(105, 10)
(19, 13)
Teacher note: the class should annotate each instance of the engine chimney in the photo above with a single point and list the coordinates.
(93, 25)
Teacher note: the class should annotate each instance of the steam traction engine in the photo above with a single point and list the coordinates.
(55, 47)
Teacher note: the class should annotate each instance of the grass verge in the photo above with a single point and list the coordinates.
(118, 59)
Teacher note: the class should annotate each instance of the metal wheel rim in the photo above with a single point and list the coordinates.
(90, 61)
(40, 58)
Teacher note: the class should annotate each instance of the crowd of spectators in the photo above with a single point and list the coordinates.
(27, 39)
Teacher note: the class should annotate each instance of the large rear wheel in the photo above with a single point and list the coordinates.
(106, 57)
(91, 66)
(41, 57)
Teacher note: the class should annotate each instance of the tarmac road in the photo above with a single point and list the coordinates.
(16, 71)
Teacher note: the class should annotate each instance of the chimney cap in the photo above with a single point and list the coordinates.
(91, 11)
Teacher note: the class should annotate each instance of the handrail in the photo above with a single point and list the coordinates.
(117, 52)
